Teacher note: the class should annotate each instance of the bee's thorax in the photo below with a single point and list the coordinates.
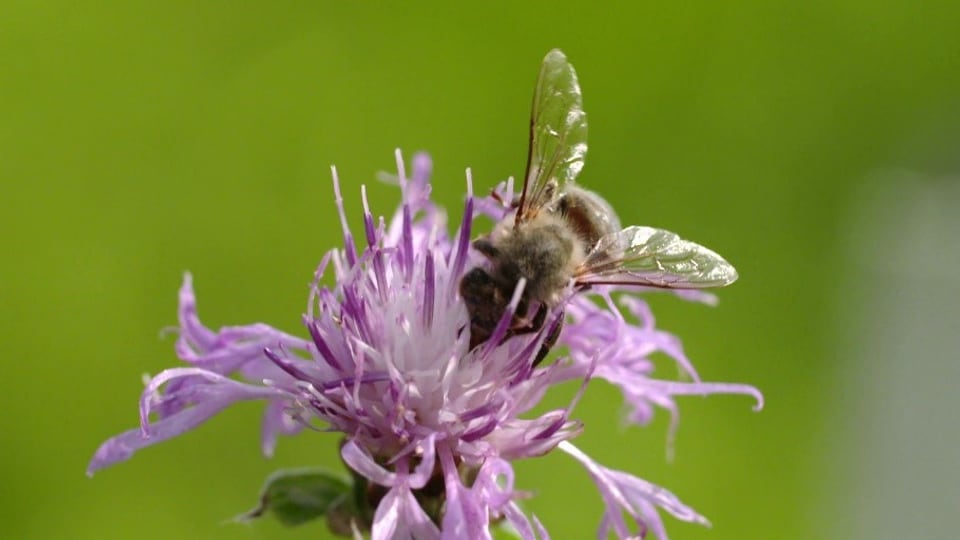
(544, 250)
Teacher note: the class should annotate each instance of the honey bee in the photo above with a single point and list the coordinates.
(560, 235)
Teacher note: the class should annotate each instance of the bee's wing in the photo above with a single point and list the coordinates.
(558, 135)
(653, 258)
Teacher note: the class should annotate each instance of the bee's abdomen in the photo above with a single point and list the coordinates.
(485, 304)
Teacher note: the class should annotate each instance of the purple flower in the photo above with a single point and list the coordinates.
(387, 364)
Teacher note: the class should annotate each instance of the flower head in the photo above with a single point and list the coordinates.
(429, 425)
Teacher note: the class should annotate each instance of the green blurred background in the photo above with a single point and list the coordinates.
(142, 139)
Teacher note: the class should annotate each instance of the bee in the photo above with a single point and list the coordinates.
(560, 237)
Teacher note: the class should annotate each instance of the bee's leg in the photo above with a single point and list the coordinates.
(486, 247)
(484, 304)
(549, 342)
(521, 324)
(535, 325)
(539, 318)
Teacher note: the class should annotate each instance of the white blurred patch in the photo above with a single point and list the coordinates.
(892, 461)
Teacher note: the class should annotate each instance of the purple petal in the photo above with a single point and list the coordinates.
(400, 517)
(702, 389)
(422, 168)
(350, 251)
(276, 422)
(421, 475)
(624, 492)
(521, 524)
(361, 462)
(516, 438)
(190, 324)
(210, 398)
(463, 240)
(465, 517)
(232, 348)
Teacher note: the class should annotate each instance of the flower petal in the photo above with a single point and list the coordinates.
(466, 516)
(276, 422)
(400, 517)
(422, 473)
(360, 461)
(209, 397)
(623, 492)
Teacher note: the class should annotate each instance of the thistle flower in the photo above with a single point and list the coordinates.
(430, 428)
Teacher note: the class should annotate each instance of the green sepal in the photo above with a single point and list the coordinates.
(296, 496)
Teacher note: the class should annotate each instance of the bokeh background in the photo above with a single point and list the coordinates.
(813, 144)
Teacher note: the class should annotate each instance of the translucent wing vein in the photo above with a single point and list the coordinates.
(558, 133)
(655, 258)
